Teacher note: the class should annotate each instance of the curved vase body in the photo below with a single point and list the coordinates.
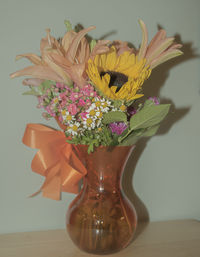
(101, 220)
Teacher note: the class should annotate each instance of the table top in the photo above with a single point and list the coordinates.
(180, 238)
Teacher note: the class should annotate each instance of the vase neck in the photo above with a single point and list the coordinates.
(105, 167)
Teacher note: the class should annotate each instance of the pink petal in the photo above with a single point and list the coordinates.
(83, 51)
(100, 47)
(75, 71)
(122, 47)
(57, 69)
(167, 55)
(39, 71)
(71, 53)
(160, 35)
(49, 42)
(32, 57)
(143, 47)
(67, 39)
(32, 82)
(162, 46)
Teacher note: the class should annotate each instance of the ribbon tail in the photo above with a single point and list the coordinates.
(36, 193)
(51, 187)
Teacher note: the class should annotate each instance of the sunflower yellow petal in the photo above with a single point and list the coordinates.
(125, 64)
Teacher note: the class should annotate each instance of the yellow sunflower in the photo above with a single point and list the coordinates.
(118, 77)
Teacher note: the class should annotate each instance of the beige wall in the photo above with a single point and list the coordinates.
(167, 173)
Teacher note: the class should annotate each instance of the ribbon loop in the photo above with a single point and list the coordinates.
(56, 160)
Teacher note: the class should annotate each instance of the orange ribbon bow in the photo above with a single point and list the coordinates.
(56, 160)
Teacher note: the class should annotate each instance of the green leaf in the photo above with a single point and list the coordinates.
(92, 44)
(68, 25)
(149, 116)
(131, 139)
(149, 132)
(117, 103)
(110, 117)
(31, 92)
(137, 134)
(47, 84)
(91, 145)
(44, 86)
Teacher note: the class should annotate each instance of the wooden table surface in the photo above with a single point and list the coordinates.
(180, 238)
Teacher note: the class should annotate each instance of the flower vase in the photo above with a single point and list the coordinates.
(101, 220)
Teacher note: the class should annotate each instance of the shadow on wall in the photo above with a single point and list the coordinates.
(152, 88)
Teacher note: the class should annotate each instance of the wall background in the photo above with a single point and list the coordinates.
(167, 172)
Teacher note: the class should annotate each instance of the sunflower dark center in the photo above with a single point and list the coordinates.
(116, 79)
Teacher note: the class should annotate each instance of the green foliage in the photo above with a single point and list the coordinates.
(92, 44)
(117, 103)
(68, 25)
(134, 136)
(149, 116)
(116, 116)
(149, 132)
(94, 138)
(41, 89)
(31, 92)
(44, 86)
(144, 123)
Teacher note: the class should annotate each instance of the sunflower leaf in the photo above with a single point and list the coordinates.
(149, 116)
(114, 117)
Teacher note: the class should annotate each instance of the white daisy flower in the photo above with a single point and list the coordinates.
(67, 117)
(73, 129)
(92, 114)
(89, 123)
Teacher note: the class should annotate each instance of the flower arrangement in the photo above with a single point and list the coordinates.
(93, 88)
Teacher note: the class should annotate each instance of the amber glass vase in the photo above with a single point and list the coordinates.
(101, 219)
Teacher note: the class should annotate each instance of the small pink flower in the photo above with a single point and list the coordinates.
(50, 111)
(60, 85)
(72, 109)
(155, 100)
(118, 127)
(63, 95)
(63, 104)
(81, 102)
(74, 96)
(93, 94)
(88, 102)
(83, 115)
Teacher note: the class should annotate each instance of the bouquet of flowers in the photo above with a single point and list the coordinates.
(93, 88)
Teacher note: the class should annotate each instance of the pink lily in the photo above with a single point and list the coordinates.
(61, 62)
(159, 50)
